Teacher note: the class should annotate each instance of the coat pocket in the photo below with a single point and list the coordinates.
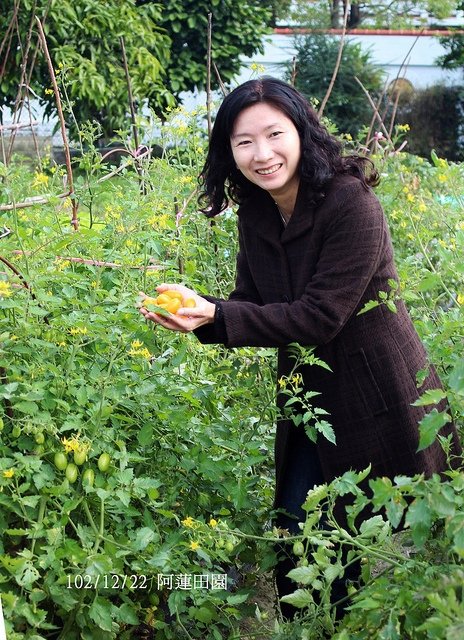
(366, 383)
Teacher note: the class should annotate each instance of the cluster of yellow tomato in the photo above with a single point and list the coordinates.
(170, 301)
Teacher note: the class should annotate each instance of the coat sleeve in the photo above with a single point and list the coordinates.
(354, 243)
(244, 290)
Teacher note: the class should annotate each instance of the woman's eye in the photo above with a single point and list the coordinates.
(275, 133)
(243, 142)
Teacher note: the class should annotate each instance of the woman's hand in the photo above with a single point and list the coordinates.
(187, 318)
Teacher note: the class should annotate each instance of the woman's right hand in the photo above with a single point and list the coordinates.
(187, 318)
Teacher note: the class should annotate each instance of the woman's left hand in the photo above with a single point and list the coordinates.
(187, 318)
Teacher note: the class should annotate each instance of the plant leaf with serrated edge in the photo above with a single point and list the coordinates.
(429, 427)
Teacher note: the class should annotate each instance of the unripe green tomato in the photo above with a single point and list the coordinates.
(39, 438)
(80, 456)
(88, 477)
(104, 462)
(71, 473)
(1, 424)
(61, 461)
(16, 431)
(229, 546)
(298, 548)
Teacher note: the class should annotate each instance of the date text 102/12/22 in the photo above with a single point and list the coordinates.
(114, 581)
(107, 581)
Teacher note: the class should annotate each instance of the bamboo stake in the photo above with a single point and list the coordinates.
(74, 220)
(337, 64)
(31, 202)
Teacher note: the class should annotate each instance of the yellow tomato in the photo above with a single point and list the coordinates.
(173, 294)
(173, 305)
(148, 300)
(189, 303)
(162, 299)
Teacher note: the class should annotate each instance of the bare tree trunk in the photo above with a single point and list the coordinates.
(335, 14)
(354, 19)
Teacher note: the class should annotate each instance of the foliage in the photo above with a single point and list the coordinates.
(166, 45)
(237, 29)
(411, 583)
(396, 14)
(84, 42)
(454, 59)
(88, 544)
(348, 107)
(435, 117)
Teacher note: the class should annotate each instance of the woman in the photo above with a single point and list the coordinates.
(314, 247)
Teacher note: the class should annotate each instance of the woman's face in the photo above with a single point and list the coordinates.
(267, 149)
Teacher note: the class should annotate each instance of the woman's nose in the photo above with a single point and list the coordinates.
(263, 152)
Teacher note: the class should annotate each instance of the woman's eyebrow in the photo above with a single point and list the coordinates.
(248, 135)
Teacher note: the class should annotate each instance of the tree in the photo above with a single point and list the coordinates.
(238, 27)
(348, 107)
(454, 59)
(166, 45)
(83, 37)
(388, 14)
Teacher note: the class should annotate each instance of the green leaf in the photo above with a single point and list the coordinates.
(304, 575)
(372, 304)
(144, 536)
(100, 612)
(419, 518)
(456, 379)
(431, 396)
(429, 427)
(300, 598)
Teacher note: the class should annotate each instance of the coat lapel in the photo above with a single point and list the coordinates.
(302, 219)
(262, 214)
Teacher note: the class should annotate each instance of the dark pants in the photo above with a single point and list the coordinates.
(301, 474)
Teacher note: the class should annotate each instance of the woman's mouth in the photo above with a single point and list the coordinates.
(269, 170)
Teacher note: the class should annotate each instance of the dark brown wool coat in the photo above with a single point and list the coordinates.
(306, 284)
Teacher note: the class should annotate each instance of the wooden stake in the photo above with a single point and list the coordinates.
(67, 155)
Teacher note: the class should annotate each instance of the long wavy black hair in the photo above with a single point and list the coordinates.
(321, 154)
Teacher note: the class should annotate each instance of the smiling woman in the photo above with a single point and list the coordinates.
(269, 156)
(305, 279)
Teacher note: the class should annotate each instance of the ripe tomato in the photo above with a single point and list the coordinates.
(104, 462)
(61, 461)
(173, 294)
(88, 477)
(162, 299)
(173, 305)
(189, 303)
(80, 456)
(71, 473)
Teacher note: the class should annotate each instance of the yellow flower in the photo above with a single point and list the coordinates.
(40, 179)
(442, 177)
(72, 444)
(213, 523)
(422, 207)
(188, 522)
(194, 545)
(460, 298)
(5, 289)
(410, 197)
(8, 473)
(49, 92)
(136, 344)
(75, 331)
(282, 382)
(143, 353)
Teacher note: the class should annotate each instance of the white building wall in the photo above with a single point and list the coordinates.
(415, 57)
